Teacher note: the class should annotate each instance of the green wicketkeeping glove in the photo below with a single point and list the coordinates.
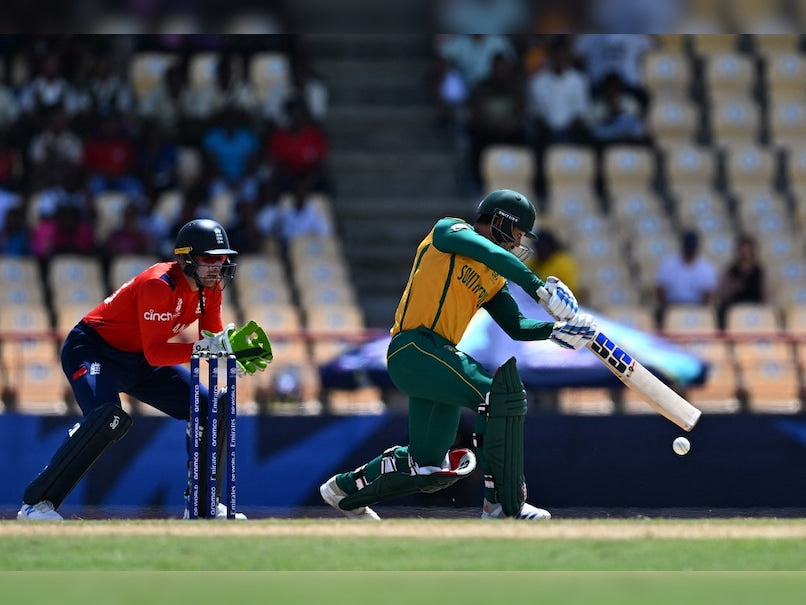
(251, 347)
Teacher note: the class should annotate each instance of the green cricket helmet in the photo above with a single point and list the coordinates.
(204, 237)
(507, 210)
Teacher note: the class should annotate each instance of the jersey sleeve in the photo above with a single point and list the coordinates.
(504, 310)
(154, 310)
(455, 236)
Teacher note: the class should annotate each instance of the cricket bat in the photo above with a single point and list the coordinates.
(633, 374)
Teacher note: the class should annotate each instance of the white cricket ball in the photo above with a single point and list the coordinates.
(681, 446)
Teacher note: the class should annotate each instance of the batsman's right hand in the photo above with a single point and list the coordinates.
(251, 347)
(574, 333)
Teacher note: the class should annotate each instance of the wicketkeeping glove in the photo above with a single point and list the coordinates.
(250, 345)
(574, 333)
(560, 302)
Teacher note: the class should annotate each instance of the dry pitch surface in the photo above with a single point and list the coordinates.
(611, 529)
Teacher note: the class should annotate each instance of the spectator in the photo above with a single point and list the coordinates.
(49, 90)
(742, 281)
(615, 116)
(131, 237)
(14, 236)
(472, 54)
(11, 171)
(270, 213)
(55, 152)
(245, 234)
(232, 155)
(107, 93)
(623, 54)
(304, 218)
(297, 153)
(228, 88)
(550, 257)
(558, 98)
(687, 278)
(497, 113)
(157, 161)
(164, 102)
(9, 105)
(66, 231)
(302, 83)
(110, 160)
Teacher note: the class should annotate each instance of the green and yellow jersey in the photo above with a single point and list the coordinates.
(456, 272)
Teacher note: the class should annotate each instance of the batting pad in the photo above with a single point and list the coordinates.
(501, 446)
(397, 478)
(85, 443)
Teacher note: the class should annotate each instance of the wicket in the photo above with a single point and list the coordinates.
(209, 500)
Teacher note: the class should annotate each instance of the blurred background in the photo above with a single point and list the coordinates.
(666, 168)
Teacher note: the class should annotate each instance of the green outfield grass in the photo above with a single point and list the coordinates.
(335, 562)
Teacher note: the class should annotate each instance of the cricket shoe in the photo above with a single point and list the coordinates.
(495, 511)
(333, 494)
(220, 513)
(41, 511)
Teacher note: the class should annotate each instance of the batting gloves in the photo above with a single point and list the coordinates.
(574, 333)
(561, 302)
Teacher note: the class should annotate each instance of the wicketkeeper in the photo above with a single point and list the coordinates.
(458, 269)
(127, 344)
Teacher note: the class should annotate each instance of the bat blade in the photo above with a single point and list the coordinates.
(633, 374)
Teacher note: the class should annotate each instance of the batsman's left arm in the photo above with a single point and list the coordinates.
(504, 310)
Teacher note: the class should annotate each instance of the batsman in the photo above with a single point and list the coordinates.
(127, 344)
(458, 269)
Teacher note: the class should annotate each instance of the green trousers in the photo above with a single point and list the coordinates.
(440, 381)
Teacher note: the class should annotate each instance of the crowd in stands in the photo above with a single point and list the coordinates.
(541, 90)
(86, 121)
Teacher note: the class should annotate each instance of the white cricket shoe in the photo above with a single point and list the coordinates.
(41, 511)
(333, 494)
(220, 513)
(496, 511)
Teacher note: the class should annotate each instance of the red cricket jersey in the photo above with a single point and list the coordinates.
(149, 310)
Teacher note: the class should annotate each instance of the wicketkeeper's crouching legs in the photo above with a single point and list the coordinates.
(84, 444)
(499, 444)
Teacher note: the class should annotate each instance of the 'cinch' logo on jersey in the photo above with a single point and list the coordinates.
(151, 315)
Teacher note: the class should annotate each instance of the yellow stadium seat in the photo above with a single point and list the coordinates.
(784, 74)
(109, 209)
(673, 121)
(639, 317)
(735, 121)
(772, 386)
(124, 267)
(690, 319)
(146, 70)
(752, 318)
(508, 167)
(667, 74)
(690, 166)
(629, 167)
(21, 282)
(787, 116)
(189, 167)
(266, 71)
(750, 166)
(728, 75)
(569, 166)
